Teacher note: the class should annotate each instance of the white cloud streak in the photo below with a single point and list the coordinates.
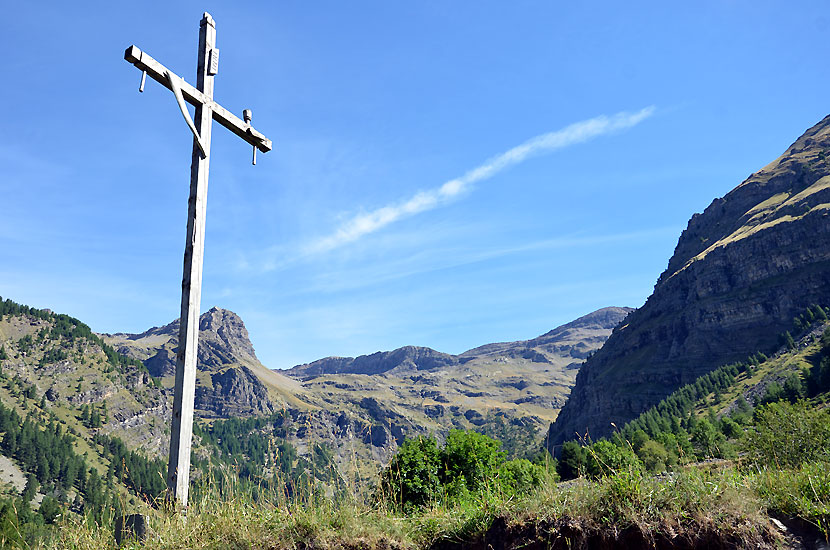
(579, 132)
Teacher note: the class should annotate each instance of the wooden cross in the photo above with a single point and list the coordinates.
(178, 469)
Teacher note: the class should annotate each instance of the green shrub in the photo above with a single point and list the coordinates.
(677, 446)
(730, 428)
(708, 440)
(411, 479)
(654, 456)
(787, 435)
(573, 460)
(470, 455)
(468, 463)
(520, 475)
(605, 458)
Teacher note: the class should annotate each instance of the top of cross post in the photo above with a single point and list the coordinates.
(207, 19)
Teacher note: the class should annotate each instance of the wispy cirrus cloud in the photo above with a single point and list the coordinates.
(579, 132)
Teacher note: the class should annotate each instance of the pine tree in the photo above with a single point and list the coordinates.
(572, 461)
(94, 419)
(93, 497)
(3, 354)
(788, 340)
(30, 489)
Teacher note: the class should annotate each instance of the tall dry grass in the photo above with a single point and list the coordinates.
(681, 504)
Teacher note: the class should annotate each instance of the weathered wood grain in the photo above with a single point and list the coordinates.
(181, 436)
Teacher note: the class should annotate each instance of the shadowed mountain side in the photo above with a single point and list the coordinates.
(740, 272)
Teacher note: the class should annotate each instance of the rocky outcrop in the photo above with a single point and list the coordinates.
(223, 340)
(234, 392)
(236, 383)
(741, 271)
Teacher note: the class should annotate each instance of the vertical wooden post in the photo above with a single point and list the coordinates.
(178, 469)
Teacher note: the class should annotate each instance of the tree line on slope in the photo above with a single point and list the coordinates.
(671, 433)
(46, 451)
(69, 329)
(262, 462)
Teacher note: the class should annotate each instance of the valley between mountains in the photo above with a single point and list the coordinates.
(364, 407)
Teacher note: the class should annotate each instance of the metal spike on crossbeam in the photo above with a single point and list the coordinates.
(207, 110)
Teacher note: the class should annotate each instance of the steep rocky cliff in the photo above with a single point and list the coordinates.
(739, 274)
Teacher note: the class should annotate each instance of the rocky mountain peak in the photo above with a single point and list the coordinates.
(606, 318)
(576, 338)
(234, 382)
(223, 340)
(215, 318)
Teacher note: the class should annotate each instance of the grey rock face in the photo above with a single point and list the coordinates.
(225, 353)
(234, 392)
(741, 271)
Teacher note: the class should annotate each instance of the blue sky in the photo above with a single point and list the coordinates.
(445, 174)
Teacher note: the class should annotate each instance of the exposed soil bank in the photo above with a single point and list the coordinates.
(569, 534)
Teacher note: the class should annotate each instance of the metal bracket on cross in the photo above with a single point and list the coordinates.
(190, 94)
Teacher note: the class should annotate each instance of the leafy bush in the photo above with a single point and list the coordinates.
(709, 441)
(605, 458)
(572, 461)
(520, 475)
(787, 435)
(411, 479)
(654, 456)
(470, 455)
(468, 464)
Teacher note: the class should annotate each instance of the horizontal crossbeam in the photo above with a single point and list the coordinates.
(193, 96)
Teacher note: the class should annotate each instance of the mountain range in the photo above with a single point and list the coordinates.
(380, 399)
